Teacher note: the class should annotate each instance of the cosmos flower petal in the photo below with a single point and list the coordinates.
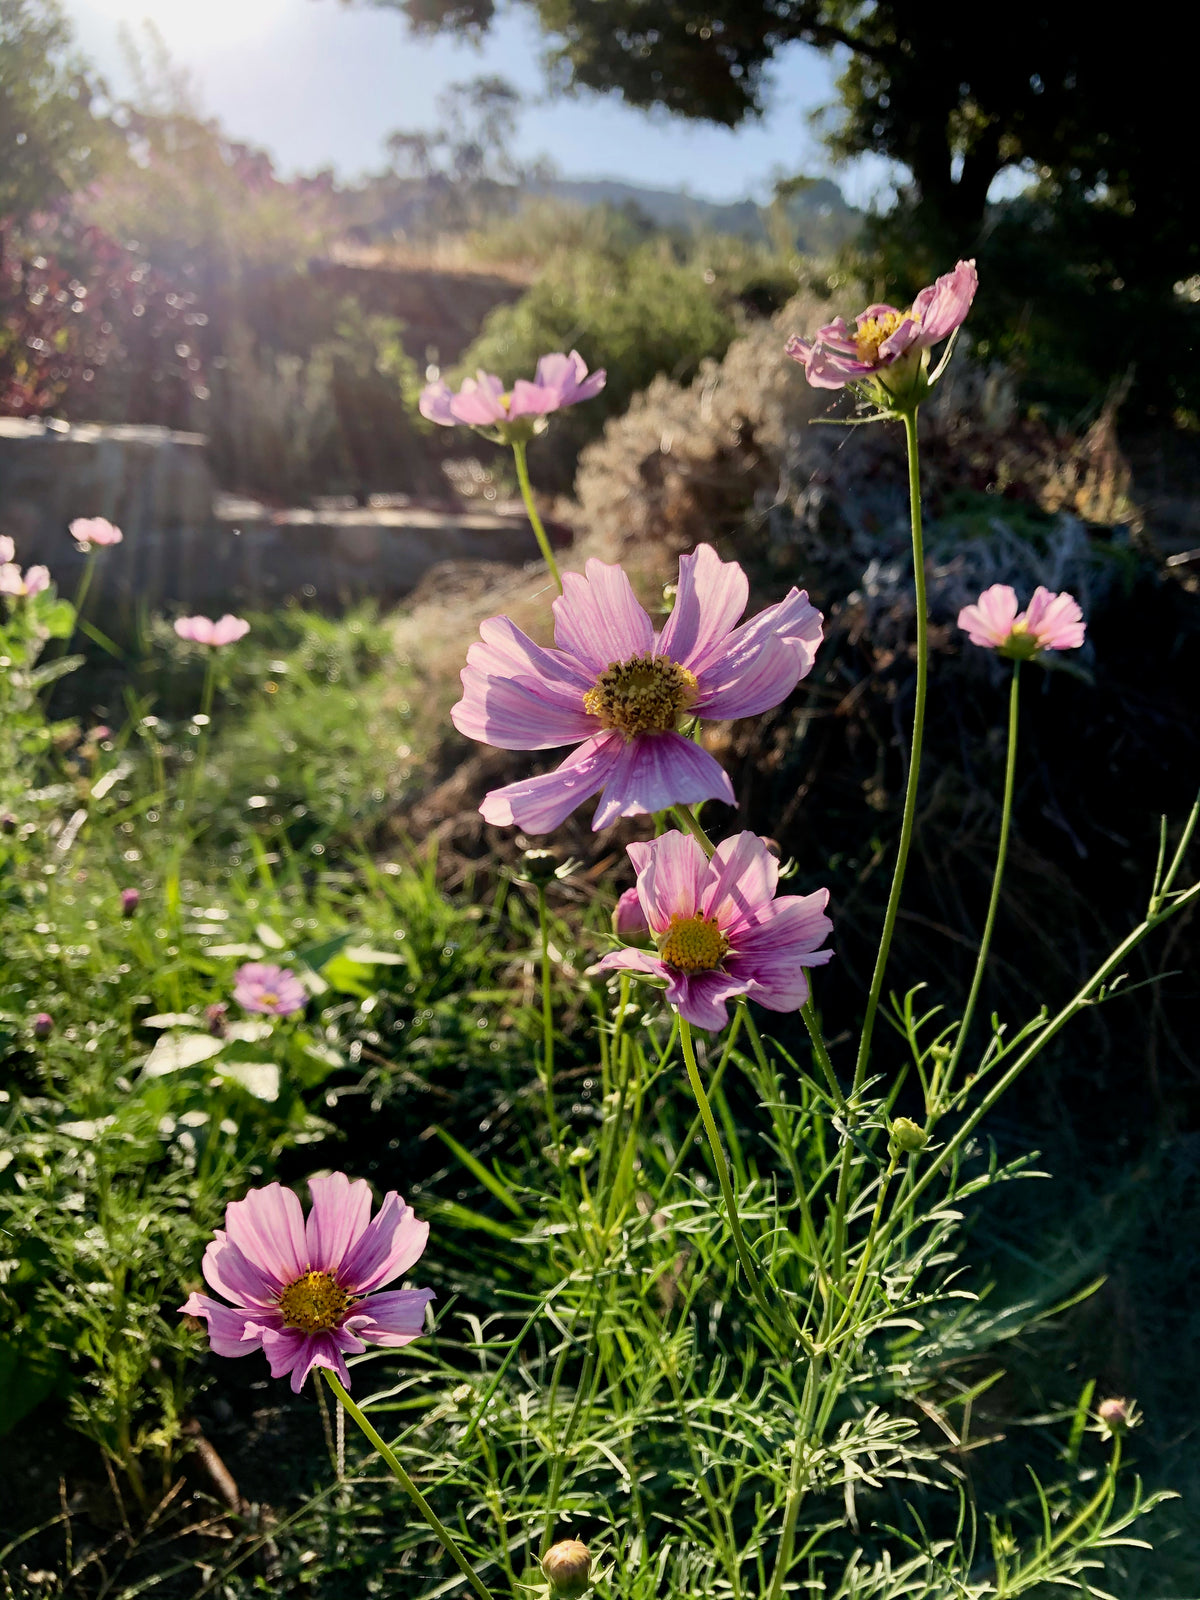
(337, 1219)
(268, 1228)
(710, 597)
(232, 1330)
(657, 770)
(989, 622)
(943, 306)
(670, 883)
(479, 403)
(434, 404)
(760, 663)
(1055, 620)
(393, 1242)
(395, 1317)
(540, 804)
(597, 618)
(701, 998)
(741, 878)
(518, 713)
(633, 961)
(232, 1273)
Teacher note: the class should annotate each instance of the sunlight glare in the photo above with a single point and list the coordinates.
(197, 25)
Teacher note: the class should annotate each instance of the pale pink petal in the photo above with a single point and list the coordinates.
(504, 649)
(229, 630)
(539, 805)
(761, 662)
(518, 696)
(597, 618)
(339, 1216)
(393, 1241)
(657, 770)
(37, 579)
(701, 998)
(1055, 620)
(633, 961)
(231, 1273)
(232, 1330)
(629, 919)
(8, 550)
(671, 872)
(771, 956)
(825, 369)
(195, 629)
(434, 404)
(290, 1350)
(479, 402)
(268, 1228)
(896, 344)
(710, 598)
(393, 1318)
(989, 622)
(740, 881)
(944, 305)
(11, 581)
(95, 530)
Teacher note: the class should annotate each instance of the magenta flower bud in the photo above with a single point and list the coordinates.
(629, 920)
(130, 900)
(567, 1568)
(8, 823)
(214, 1019)
(43, 1025)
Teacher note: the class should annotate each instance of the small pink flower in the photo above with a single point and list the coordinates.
(618, 690)
(33, 582)
(1052, 622)
(483, 403)
(275, 991)
(8, 550)
(201, 630)
(43, 1025)
(719, 930)
(130, 900)
(883, 335)
(305, 1292)
(87, 531)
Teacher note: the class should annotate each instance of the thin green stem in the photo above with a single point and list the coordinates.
(813, 1023)
(914, 762)
(204, 722)
(692, 823)
(997, 877)
(81, 594)
(868, 1250)
(446, 1538)
(547, 1017)
(535, 522)
(718, 1154)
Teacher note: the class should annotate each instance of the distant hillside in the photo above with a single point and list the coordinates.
(820, 215)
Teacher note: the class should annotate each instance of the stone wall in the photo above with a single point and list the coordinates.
(186, 546)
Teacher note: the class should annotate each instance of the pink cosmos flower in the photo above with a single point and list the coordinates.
(8, 550)
(201, 630)
(618, 689)
(34, 580)
(302, 1292)
(883, 335)
(1052, 622)
(275, 991)
(482, 401)
(87, 531)
(719, 930)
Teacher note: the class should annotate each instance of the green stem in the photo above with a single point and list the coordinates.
(813, 1023)
(1001, 856)
(205, 712)
(535, 522)
(692, 824)
(914, 763)
(547, 1016)
(81, 594)
(868, 1250)
(714, 1140)
(445, 1537)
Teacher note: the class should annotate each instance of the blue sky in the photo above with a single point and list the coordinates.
(320, 84)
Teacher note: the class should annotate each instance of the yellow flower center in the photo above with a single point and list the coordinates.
(693, 944)
(314, 1303)
(643, 695)
(269, 997)
(872, 331)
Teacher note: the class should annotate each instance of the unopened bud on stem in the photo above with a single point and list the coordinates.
(567, 1567)
(907, 1136)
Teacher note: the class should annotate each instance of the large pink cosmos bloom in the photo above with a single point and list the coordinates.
(883, 335)
(273, 991)
(1052, 622)
(482, 402)
(618, 690)
(87, 531)
(14, 582)
(202, 630)
(719, 930)
(304, 1293)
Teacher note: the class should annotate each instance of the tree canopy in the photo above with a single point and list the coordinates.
(47, 130)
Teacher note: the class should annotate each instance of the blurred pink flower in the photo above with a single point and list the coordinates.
(201, 630)
(130, 900)
(33, 582)
(87, 531)
(275, 991)
(618, 690)
(482, 401)
(1052, 622)
(8, 550)
(719, 930)
(304, 1292)
(43, 1025)
(883, 335)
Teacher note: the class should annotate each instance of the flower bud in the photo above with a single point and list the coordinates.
(8, 823)
(629, 920)
(539, 866)
(567, 1567)
(580, 1156)
(1116, 1414)
(130, 899)
(460, 1395)
(43, 1025)
(907, 1136)
(214, 1019)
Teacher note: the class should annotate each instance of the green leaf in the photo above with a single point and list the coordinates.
(488, 1179)
(52, 670)
(58, 618)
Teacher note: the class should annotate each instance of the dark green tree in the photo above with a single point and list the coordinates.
(48, 133)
